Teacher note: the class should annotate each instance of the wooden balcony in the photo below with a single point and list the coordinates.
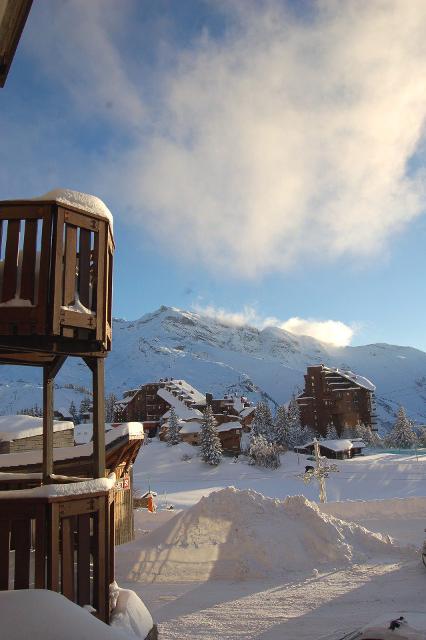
(61, 543)
(55, 281)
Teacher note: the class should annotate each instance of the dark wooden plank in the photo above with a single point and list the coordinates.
(10, 274)
(53, 549)
(78, 320)
(83, 560)
(21, 530)
(100, 259)
(84, 268)
(67, 557)
(43, 278)
(98, 418)
(48, 381)
(40, 549)
(100, 592)
(4, 554)
(70, 265)
(80, 219)
(111, 542)
(1, 235)
(58, 266)
(28, 278)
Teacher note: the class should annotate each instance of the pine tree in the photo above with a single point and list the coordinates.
(110, 401)
(370, 437)
(402, 435)
(73, 412)
(211, 447)
(173, 436)
(85, 405)
(332, 432)
(295, 429)
(262, 422)
(281, 426)
(348, 433)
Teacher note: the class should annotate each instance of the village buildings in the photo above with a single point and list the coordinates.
(333, 397)
(152, 402)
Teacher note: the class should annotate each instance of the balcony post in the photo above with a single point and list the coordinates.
(49, 374)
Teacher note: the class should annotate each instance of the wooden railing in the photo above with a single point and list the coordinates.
(65, 544)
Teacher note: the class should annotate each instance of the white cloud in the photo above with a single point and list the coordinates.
(332, 332)
(283, 141)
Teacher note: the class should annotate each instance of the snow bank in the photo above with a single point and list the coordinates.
(78, 200)
(234, 535)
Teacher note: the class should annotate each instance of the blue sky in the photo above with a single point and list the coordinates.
(263, 160)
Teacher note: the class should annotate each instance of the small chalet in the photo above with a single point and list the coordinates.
(335, 449)
(229, 434)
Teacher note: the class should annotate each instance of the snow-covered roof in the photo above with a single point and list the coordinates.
(354, 377)
(181, 409)
(78, 200)
(15, 427)
(228, 426)
(334, 445)
(182, 386)
(246, 411)
(84, 432)
(195, 427)
(21, 458)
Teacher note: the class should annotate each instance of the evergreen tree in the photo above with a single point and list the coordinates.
(281, 426)
(308, 435)
(173, 436)
(73, 412)
(402, 435)
(85, 405)
(294, 426)
(422, 437)
(263, 453)
(370, 437)
(110, 401)
(332, 432)
(348, 433)
(211, 447)
(262, 422)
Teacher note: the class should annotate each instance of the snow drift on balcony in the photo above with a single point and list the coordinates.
(14, 427)
(235, 535)
(79, 200)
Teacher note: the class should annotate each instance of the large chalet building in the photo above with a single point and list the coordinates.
(336, 397)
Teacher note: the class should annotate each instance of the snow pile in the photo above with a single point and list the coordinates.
(236, 535)
(78, 200)
(129, 614)
(393, 508)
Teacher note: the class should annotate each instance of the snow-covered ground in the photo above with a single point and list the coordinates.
(195, 566)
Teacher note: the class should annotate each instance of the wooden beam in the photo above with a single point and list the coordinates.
(49, 374)
(97, 367)
(12, 21)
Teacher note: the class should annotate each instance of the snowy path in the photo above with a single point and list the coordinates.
(309, 608)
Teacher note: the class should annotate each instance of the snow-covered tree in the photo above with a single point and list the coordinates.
(281, 426)
(73, 412)
(402, 435)
(85, 405)
(308, 435)
(263, 453)
(332, 432)
(211, 447)
(110, 401)
(294, 426)
(263, 423)
(369, 437)
(348, 432)
(422, 437)
(173, 436)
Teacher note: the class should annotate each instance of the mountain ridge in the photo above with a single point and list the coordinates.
(215, 356)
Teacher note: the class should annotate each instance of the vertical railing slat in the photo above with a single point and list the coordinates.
(40, 549)
(67, 557)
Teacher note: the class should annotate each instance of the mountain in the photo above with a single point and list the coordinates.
(221, 358)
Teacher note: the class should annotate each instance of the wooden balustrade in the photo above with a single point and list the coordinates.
(61, 543)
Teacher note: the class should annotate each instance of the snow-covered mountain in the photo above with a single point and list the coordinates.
(221, 358)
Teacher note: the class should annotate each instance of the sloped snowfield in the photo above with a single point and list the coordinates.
(237, 564)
